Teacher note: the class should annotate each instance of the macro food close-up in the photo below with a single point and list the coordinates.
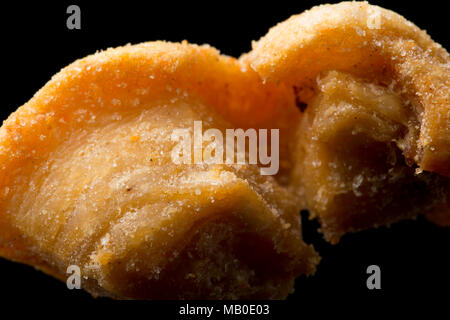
(299, 155)
(370, 80)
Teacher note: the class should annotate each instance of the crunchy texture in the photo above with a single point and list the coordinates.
(86, 179)
(365, 44)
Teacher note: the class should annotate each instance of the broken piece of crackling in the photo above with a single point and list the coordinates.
(87, 179)
(373, 144)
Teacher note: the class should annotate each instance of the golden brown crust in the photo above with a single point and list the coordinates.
(370, 42)
(86, 179)
(349, 167)
(124, 76)
(375, 86)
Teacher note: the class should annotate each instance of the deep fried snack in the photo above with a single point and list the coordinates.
(86, 179)
(373, 146)
(352, 171)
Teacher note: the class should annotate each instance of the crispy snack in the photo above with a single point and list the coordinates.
(86, 179)
(373, 145)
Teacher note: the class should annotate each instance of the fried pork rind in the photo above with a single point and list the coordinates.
(390, 92)
(352, 172)
(86, 179)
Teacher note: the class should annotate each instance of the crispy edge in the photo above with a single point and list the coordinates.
(371, 42)
(111, 81)
(275, 55)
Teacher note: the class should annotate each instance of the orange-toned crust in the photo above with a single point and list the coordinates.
(370, 42)
(116, 79)
(49, 218)
(378, 49)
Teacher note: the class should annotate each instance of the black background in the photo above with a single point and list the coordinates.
(413, 256)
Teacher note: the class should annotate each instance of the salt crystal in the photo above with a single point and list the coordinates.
(357, 181)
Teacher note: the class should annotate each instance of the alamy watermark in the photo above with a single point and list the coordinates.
(74, 279)
(374, 280)
(232, 149)
(73, 21)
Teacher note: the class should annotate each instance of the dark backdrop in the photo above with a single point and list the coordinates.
(413, 255)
